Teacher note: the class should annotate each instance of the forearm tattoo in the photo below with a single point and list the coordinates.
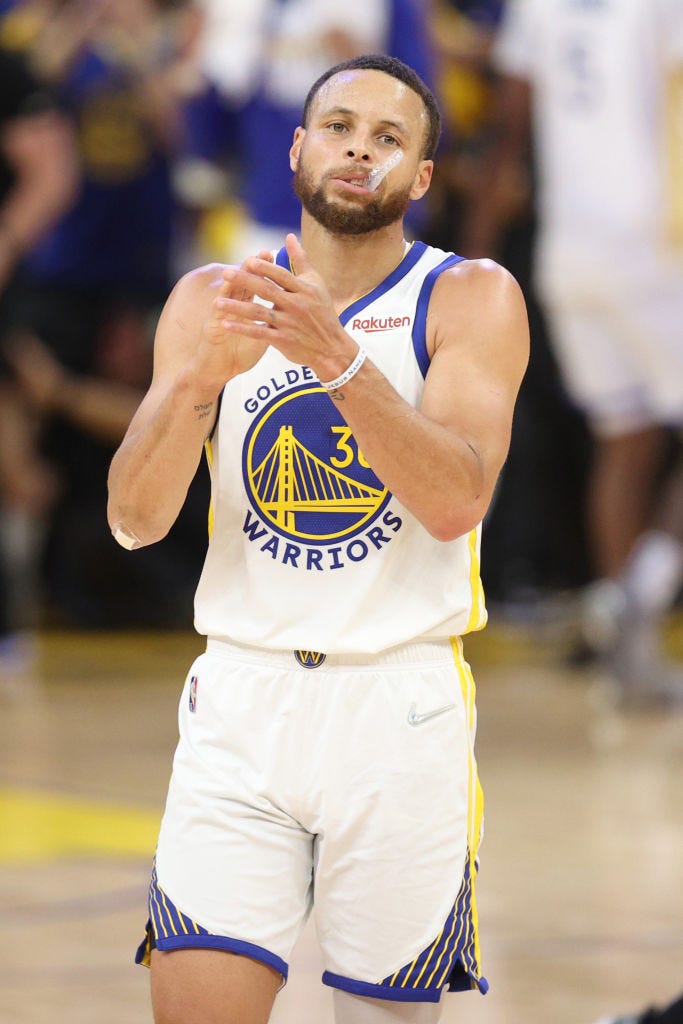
(203, 410)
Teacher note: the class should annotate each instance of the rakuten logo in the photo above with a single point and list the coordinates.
(376, 323)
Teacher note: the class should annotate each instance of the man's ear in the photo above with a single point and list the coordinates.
(423, 179)
(299, 136)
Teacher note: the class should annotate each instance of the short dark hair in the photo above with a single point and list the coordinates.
(397, 69)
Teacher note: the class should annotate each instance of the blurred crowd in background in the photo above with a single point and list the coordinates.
(141, 138)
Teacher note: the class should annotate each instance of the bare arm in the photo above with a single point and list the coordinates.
(71, 26)
(100, 407)
(154, 466)
(441, 461)
(41, 150)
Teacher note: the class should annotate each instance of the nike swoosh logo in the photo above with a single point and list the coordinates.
(415, 719)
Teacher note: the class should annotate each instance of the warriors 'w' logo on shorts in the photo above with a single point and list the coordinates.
(309, 659)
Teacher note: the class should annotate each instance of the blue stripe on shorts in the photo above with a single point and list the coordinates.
(450, 960)
(168, 929)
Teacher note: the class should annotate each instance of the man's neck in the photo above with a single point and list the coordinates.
(352, 265)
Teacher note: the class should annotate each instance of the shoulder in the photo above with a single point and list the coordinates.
(186, 310)
(478, 303)
(193, 293)
(203, 280)
(476, 285)
(482, 271)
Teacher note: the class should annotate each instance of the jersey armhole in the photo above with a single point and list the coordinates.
(420, 326)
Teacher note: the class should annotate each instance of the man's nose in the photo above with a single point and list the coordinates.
(359, 149)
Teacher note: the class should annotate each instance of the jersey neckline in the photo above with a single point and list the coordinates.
(405, 266)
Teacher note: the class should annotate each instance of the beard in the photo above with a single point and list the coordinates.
(345, 217)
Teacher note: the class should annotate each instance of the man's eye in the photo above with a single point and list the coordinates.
(337, 127)
(389, 140)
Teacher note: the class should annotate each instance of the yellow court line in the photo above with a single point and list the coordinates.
(38, 826)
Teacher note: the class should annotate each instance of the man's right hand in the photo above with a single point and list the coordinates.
(223, 354)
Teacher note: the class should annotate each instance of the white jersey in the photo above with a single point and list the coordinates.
(607, 134)
(308, 549)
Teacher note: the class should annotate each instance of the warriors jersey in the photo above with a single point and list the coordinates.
(606, 77)
(308, 549)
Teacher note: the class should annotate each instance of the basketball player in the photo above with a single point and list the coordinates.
(602, 86)
(355, 397)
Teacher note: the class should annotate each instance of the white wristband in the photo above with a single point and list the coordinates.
(332, 385)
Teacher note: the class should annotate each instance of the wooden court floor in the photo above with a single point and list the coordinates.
(581, 884)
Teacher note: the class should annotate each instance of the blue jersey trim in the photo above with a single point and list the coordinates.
(249, 949)
(282, 258)
(420, 325)
(416, 250)
(366, 988)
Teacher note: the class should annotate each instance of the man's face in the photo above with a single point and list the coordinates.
(359, 119)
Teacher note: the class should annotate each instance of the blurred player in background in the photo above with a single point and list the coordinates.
(602, 86)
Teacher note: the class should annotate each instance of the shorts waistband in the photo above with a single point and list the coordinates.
(414, 653)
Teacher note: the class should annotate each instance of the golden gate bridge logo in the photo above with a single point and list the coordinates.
(292, 480)
(304, 494)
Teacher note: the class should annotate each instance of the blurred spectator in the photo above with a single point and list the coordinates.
(95, 283)
(603, 84)
(100, 407)
(38, 178)
(260, 59)
(462, 33)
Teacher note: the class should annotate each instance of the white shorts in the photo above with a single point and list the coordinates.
(617, 329)
(352, 778)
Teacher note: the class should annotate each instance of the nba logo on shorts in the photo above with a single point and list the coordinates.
(193, 693)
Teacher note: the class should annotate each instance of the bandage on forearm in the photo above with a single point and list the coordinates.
(125, 537)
